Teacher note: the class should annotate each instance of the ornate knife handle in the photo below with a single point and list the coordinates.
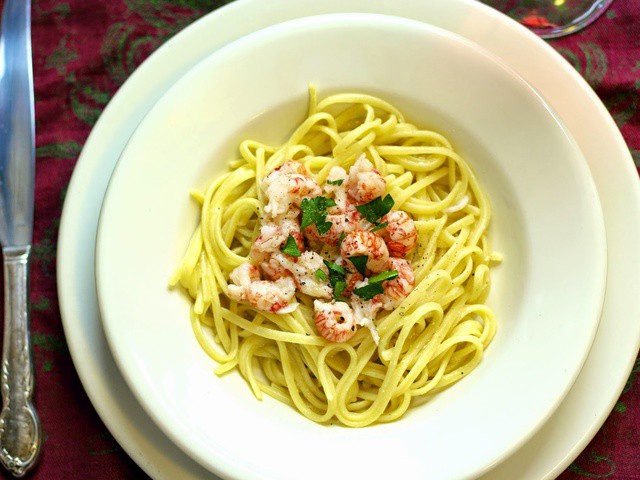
(20, 433)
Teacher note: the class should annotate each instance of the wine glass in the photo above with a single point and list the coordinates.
(552, 18)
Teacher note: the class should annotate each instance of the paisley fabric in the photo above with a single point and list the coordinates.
(83, 51)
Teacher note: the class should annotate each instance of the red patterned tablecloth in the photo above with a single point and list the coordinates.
(83, 51)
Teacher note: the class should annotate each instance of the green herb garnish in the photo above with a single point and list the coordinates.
(360, 262)
(335, 182)
(380, 226)
(338, 289)
(342, 237)
(376, 208)
(321, 276)
(314, 210)
(384, 276)
(334, 268)
(290, 247)
(369, 291)
(374, 286)
(323, 226)
(336, 279)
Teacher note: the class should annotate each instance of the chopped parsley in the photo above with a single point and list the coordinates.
(314, 210)
(323, 227)
(334, 268)
(380, 226)
(369, 291)
(374, 287)
(335, 182)
(360, 262)
(336, 279)
(290, 247)
(338, 289)
(376, 208)
(384, 276)
(321, 276)
(342, 237)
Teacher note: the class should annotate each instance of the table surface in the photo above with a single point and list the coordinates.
(83, 50)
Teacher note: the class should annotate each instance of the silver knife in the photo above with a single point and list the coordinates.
(20, 432)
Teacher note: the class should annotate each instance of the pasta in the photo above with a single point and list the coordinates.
(435, 337)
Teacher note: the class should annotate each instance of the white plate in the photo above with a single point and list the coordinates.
(547, 222)
(589, 402)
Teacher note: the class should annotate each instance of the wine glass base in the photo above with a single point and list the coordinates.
(552, 18)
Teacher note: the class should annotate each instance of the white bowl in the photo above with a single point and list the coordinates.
(547, 222)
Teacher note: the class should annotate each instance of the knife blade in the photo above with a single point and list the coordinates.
(20, 432)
